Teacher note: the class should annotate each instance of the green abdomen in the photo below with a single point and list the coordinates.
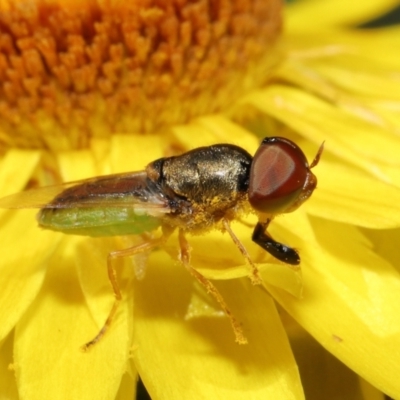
(112, 221)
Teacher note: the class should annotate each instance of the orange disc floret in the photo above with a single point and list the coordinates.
(71, 70)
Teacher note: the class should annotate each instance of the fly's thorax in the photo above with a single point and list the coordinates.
(205, 175)
(203, 185)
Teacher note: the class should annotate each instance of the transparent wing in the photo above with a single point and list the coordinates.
(131, 189)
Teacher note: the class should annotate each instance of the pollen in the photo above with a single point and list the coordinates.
(74, 70)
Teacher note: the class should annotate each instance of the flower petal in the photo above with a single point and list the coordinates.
(216, 256)
(324, 376)
(8, 387)
(347, 195)
(386, 244)
(193, 135)
(357, 141)
(127, 389)
(10, 181)
(23, 264)
(213, 129)
(75, 165)
(199, 358)
(134, 152)
(327, 13)
(49, 337)
(226, 131)
(351, 303)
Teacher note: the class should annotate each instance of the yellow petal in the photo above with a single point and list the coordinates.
(8, 387)
(323, 375)
(350, 81)
(386, 244)
(23, 264)
(350, 78)
(49, 337)
(370, 392)
(75, 165)
(216, 256)
(134, 152)
(351, 304)
(127, 389)
(200, 356)
(347, 195)
(26, 161)
(193, 135)
(357, 141)
(317, 15)
(225, 131)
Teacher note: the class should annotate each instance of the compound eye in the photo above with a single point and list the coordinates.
(280, 177)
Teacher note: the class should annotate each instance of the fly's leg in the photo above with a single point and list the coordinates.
(255, 274)
(209, 286)
(278, 250)
(112, 276)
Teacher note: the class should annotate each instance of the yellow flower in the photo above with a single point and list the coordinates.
(81, 84)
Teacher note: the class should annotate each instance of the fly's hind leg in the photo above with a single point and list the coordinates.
(112, 276)
(211, 289)
(255, 274)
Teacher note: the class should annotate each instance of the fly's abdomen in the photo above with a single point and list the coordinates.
(97, 221)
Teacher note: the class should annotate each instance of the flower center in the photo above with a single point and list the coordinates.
(74, 70)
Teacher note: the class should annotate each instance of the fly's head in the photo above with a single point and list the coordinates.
(281, 179)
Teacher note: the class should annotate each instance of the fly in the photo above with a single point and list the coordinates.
(202, 189)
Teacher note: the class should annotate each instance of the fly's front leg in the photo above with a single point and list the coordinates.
(209, 286)
(255, 274)
(112, 276)
(278, 250)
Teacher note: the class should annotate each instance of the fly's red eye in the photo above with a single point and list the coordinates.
(280, 177)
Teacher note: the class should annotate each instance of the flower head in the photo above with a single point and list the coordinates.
(143, 66)
(81, 84)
